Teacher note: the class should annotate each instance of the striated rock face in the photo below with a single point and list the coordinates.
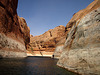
(48, 40)
(12, 36)
(81, 51)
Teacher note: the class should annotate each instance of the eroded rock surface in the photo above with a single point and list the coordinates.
(81, 51)
(12, 35)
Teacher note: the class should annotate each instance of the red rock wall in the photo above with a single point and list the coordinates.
(12, 36)
(25, 31)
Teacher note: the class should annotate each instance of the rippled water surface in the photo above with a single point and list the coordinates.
(31, 66)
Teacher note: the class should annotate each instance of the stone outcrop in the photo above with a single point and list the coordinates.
(48, 40)
(81, 51)
(12, 34)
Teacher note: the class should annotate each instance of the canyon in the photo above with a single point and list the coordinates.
(14, 32)
(77, 46)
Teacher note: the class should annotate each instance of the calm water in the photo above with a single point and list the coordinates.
(31, 66)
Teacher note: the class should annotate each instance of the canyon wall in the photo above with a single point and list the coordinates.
(47, 41)
(81, 51)
(61, 42)
(25, 31)
(12, 34)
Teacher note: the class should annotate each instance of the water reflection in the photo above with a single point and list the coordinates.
(31, 66)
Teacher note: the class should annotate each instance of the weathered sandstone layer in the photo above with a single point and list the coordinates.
(12, 34)
(47, 41)
(81, 51)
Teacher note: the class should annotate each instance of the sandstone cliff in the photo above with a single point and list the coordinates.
(81, 51)
(25, 31)
(12, 34)
(48, 40)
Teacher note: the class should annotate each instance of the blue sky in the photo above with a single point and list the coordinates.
(42, 15)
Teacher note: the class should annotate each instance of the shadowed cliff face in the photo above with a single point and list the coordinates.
(25, 31)
(81, 51)
(8, 17)
(12, 38)
(48, 40)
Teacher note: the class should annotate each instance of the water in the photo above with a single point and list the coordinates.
(31, 66)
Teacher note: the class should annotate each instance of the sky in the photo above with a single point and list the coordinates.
(42, 15)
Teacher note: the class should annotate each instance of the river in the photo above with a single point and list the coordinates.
(31, 66)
